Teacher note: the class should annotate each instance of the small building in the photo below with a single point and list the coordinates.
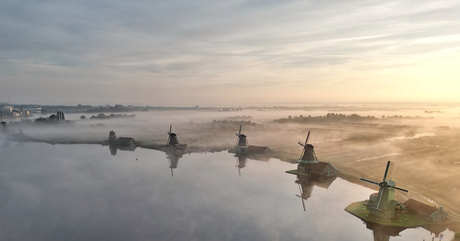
(126, 141)
(435, 214)
(257, 150)
(321, 169)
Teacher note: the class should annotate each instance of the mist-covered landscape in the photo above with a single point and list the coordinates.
(419, 139)
(229, 120)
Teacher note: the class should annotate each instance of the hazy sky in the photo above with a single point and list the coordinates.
(228, 52)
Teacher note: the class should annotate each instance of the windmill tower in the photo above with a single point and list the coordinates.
(241, 143)
(172, 139)
(384, 203)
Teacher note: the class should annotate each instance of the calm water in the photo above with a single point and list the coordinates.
(82, 192)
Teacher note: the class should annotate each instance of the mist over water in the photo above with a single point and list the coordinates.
(81, 192)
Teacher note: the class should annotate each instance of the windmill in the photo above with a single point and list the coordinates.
(241, 143)
(384, 203)
(307, 157)
(172, 139)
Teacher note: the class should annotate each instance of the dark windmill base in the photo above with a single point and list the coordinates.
(180, 148)
(408, 219)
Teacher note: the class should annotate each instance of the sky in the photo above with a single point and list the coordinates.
(207, 53)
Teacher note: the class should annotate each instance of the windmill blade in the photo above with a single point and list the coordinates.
(390, 171)
(307, 138)
(239, 133)
(386, 171)
(404, 190)
(301, 198)
(362, 179)
(300, 143)
(170, 128)
(303, 204)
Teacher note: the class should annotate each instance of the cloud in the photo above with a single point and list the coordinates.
(202, 42)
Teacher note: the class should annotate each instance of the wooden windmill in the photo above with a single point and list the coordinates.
(307, 157)
(241, 143)
(172, 139)
(384, 203)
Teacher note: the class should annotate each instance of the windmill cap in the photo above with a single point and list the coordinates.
(391, 183)
(310, 146)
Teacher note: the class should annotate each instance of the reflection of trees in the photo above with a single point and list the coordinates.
(306, 185)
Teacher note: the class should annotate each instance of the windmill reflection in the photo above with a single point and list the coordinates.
(241, 161)
(383, 233)
(307, 184)
(121, 143)
(173, 158)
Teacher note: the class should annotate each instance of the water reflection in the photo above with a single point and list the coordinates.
(173, 156)
(79, 192)
(306, 185)
(242, 159)
(241, 162)
(114, 147)
(383, 233)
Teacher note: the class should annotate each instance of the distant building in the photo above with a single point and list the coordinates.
(10, 111)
